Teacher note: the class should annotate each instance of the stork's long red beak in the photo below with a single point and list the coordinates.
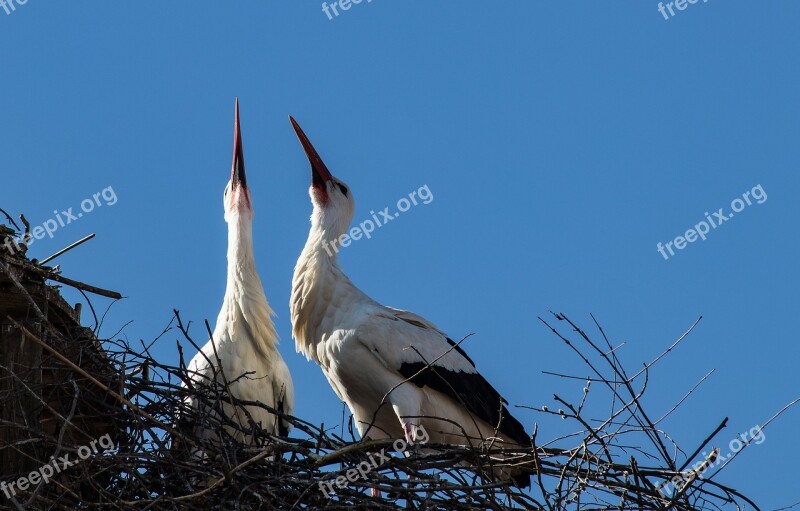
(319, 172)
(238, 177)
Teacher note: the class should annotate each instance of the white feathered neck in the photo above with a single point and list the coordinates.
(245, 309)
(320, 289)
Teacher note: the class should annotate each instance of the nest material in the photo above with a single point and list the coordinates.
(42, 397)
(623, 461)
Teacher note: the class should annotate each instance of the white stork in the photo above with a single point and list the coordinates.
(244, 339)
(395, 370)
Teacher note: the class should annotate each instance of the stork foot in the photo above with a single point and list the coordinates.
(414, 433)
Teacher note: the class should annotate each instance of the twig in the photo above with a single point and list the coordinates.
(10, 219)
(67, 249)
(78, 285)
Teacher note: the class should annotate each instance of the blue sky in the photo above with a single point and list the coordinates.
(561, 143)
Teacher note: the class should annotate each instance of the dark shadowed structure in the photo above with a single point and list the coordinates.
(48, 406)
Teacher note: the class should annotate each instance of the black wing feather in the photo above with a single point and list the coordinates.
(473, 391)
(283, 428)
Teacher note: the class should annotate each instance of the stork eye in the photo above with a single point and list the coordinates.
(343, 189)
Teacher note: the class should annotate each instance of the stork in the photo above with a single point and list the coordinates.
(242, 352)
(396, 371)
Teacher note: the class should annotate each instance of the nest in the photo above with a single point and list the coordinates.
(622, 461)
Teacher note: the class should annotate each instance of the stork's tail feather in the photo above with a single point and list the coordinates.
(523, 478)
(514, 429)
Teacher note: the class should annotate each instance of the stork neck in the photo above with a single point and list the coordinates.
(319, 262)
(324, 243)
(240, 247)
(329, 224)
(245, 301)
(241, 257)
(317, 276)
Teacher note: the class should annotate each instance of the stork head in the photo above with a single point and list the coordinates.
(332, 199)
(237, 195)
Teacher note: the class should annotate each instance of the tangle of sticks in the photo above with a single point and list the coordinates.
(614, 456)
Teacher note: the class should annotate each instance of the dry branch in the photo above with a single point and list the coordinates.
(620, 460)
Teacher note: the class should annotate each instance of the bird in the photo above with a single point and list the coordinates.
(243, 350)
(397, 372)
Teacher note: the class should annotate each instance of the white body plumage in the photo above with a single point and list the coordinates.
(396, 371)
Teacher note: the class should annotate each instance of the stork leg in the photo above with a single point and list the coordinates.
(409, 431)
(415, 433)
(374, 492)
(405, 403)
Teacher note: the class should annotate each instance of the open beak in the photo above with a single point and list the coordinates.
(319, 172)
(238, 176)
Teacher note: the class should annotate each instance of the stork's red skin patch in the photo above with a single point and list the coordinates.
(320, 194)
(245, 193)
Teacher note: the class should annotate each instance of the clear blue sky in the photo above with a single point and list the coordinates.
(561, 142)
